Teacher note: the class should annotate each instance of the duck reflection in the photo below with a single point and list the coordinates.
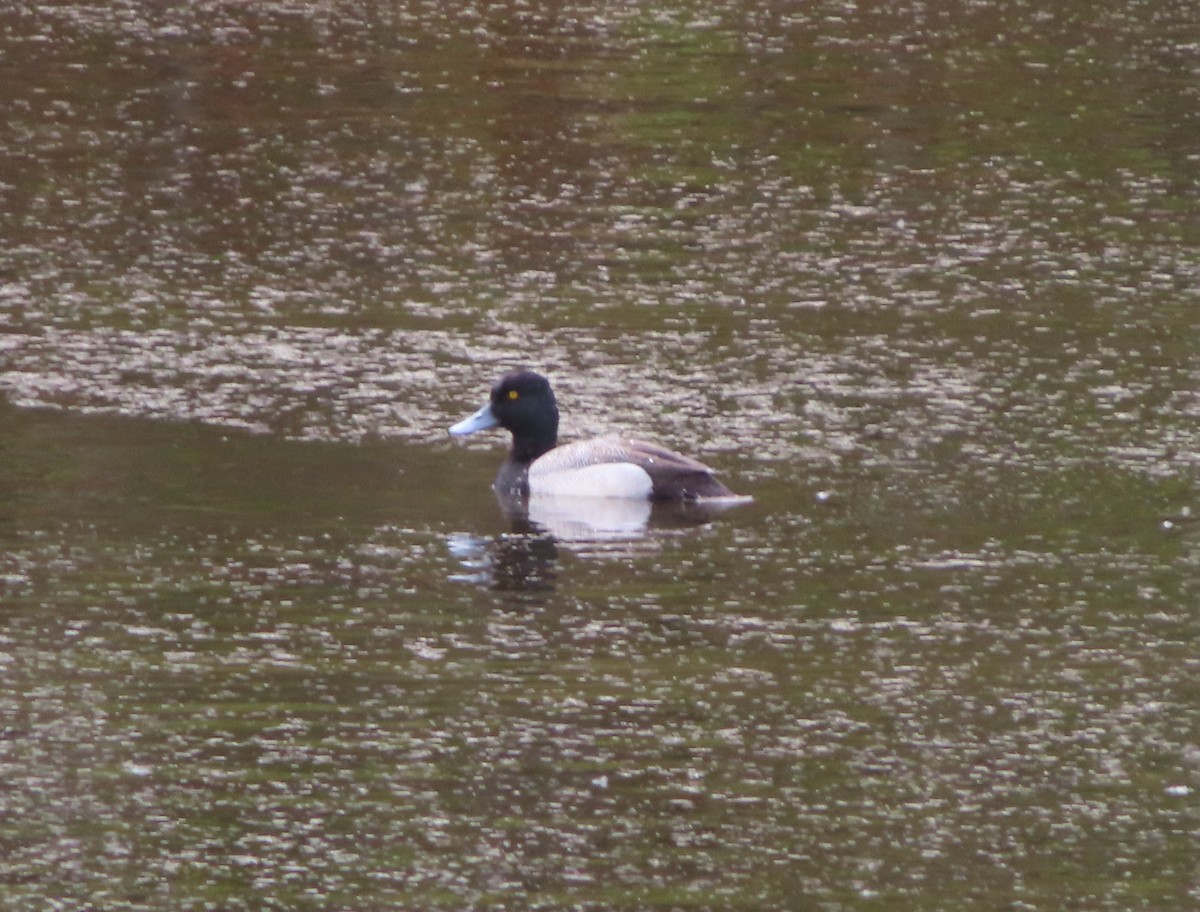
(581, 520)
(525, 559)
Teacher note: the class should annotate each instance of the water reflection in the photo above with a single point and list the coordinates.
(520, 561)
(580, 519)
(525, 557)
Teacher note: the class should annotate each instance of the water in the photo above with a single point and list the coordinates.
(920, 279)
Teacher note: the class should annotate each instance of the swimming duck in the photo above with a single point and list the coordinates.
(523, 403)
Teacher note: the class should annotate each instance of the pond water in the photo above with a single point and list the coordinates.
(921, 278)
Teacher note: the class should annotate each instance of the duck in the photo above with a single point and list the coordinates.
(522, 402)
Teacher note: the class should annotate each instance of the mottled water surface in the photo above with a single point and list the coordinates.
(922, 278)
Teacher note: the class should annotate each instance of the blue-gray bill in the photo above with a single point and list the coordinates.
(480, 421)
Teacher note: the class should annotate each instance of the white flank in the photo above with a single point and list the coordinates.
(609, 479)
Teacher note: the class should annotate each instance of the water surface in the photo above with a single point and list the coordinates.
(920, 279)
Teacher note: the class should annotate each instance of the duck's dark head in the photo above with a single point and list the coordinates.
(523, 403)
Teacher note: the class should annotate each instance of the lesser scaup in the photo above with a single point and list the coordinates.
(523, 403)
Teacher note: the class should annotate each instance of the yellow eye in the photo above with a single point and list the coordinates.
(513, 394)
